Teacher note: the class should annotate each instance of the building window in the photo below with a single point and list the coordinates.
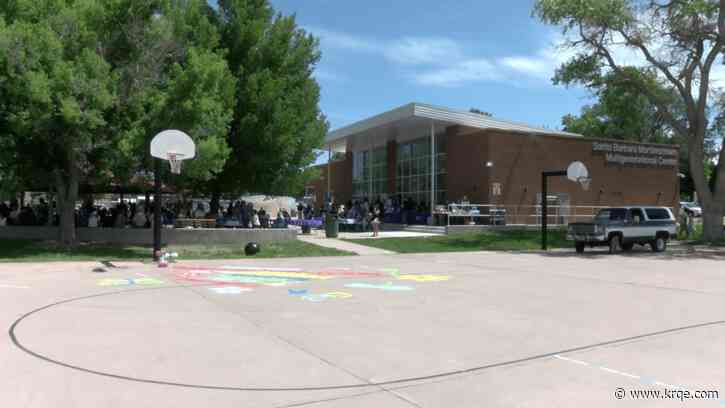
(363, 170)
(413, 170)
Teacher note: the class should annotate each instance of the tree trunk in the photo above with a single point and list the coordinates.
(67, 195)
(67, 227)
(214, 204)
(697, 171)
(51, 213)
(712, 224)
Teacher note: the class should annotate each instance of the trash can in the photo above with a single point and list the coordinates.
(305, 228)
(332, 226)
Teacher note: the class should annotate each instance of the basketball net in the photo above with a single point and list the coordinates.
(175, 162)
(585, 182)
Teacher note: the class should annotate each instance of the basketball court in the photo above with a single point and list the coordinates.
(464, 330)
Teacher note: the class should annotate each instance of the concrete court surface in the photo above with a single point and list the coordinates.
(466, 330)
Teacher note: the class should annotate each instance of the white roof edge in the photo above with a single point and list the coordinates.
(452, 116)
(479, 121)
(384, 118)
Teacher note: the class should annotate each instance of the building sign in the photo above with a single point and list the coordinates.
(625, 154)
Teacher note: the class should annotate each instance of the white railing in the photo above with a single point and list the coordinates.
(512, 214)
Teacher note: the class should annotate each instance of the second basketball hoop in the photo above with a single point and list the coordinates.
(578, 173)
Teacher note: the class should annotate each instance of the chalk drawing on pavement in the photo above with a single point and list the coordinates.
(326, 296)
(387, 286)
(424, 278)
(229, 290)
(129, 281)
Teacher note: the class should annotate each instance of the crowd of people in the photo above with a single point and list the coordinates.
(12, 213)
(392, 209)
(401, 210)
(243, 214)
(43, 213)
(128, 214)
(240, 214)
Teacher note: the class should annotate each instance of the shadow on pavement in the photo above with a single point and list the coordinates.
(675, 252)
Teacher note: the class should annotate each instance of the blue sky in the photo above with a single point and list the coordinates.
(491, 55)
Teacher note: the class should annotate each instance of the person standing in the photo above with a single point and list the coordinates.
(686, 223)
(376, 221)
(255, 220)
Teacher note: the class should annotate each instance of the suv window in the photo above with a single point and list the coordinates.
(637, 216)
(612, 214)
(657, 214)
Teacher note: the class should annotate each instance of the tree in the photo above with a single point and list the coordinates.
(622, 112)
(480, 112)
(57, 92)
(173, 75)
(678, 43)
(277, 123)
(85, 84)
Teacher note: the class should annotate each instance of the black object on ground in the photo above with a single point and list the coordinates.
(251, 248)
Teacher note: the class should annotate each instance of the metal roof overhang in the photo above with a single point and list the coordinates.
(414, 120)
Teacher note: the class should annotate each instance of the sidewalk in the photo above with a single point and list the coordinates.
(319, 239)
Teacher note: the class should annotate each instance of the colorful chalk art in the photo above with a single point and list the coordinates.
(312, 297)
(229, 290)
(130, 281)
(386, 286)
(238, 279)
(424, 278)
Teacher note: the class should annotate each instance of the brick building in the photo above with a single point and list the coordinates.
(438, 156)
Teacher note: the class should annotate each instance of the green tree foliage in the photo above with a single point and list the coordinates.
(85, 84)
(622, 112)
(678, 43)
(277, 123)
(57, 93)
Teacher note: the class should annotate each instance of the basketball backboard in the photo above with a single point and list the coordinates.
(174, 146)
(578, 173)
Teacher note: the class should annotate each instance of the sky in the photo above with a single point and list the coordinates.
(462, 54)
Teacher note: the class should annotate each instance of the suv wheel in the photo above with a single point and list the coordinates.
(659, 245)
(579, 247)
(615, 244)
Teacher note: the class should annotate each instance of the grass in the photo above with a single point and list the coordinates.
(696, 237)
(34, 251)
(491, 241)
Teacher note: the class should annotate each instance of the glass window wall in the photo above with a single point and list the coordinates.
(362, 169)
(413, 170)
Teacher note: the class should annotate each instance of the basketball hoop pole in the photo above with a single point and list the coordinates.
(157, 208)
(173, 146)
(545, 202)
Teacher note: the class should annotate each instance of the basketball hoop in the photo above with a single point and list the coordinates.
(585, 182)
(174, 146)
(578, 173)
(175, 160)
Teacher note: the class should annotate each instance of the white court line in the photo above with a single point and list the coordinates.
(571, 360)
(625, 374)
(668, 385)
(14, 286)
